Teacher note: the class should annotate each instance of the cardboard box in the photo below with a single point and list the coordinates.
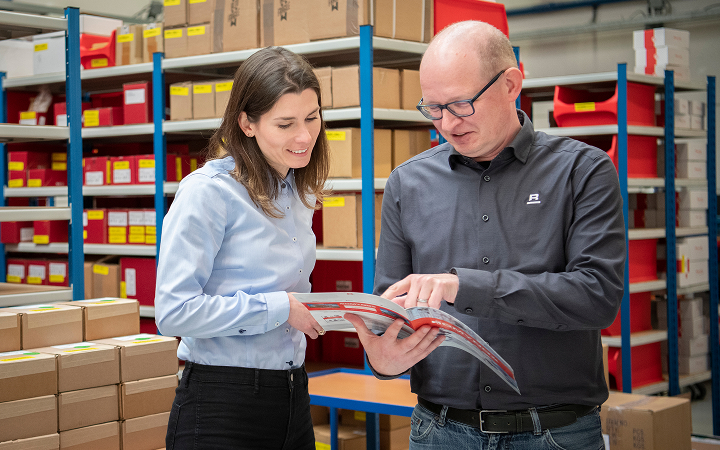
(200, 11)
(199, 39)
(33, 118)
(47, 442)
(16, 232)
(96, 171)
(175, 12)
(16, 58)
(691, 169)
(349, 438)
(9, 332)
(145, 169)
(88, 271)
(153, 40)
(146, 397)
(117, 226)
(661, 36)
(46, 177)
(397, 439)
(84, 365)
(410, 92)
(106, 278)
(37, 272)
(49, 53)
(17, 179)
(137, 281)
(145, 356)
(87, 407)
(105, 436)
(137, 104)
(688, 365)
(48, 231)
(409, 20)
(345, 153)
(387, 422)
(46, 325)
(203, 102)
(20, 419)
(324, 76)
(346, 87)
(342, 221)
(691, 149)
(283, 22)
(23, 161)
(108, 317)
(339, 18)
(223, 88)
(408, 143)
(176, 42)
(16, 270)
(27, 374)
(145, 433)
(238, 24)
(181, 101)
(129, 45)
(124, 169)
(95, 226)
(108, 116)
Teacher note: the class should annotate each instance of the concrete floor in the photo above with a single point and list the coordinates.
(702, 416)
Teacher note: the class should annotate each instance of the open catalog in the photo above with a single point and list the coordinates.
(378, 313)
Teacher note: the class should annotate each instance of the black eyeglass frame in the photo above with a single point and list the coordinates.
(420, 107)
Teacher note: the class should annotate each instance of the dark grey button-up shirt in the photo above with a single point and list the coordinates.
(537, 240)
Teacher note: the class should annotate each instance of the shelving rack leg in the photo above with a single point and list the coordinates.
(3, 166)
(159, 145)
(713, 256)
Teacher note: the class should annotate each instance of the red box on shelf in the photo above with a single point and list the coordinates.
(137, 279)
(447, 12)
(46, 177)
(49, 231)
(58, 273)
(97, 51)
(60, 112)
(16, 270)
(136, 226)
(117, 225)
(37, 272)
(642, 260)
(137, 105)
(148, 326)
(337, 276)
(145, 165)
(96, 171)
(642, 154)
(646, 365)
(33, 118)
(95, 226)
(640, 315)
(23, 161)
(16, 232)
(124, 169)
(342, 348)
(106, 116)
(575, 107)
(17, 178)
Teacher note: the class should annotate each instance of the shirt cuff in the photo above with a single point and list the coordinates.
(278, 309)
(380, 376)
(475, 290)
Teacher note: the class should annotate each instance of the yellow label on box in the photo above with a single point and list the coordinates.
(223, 87)
(84, 234)
(360, 415)
(41, 239)
(117, 239)
(196, 31)
(99, 62)
(117, 231)
(193, 165)
(80, 349)
(197, 1)
(41, 47)
(172, 3)
(16, 358)
(178, 169)
(13, 279)
(335, 135)
(321, 446)
(59, 166)
(137, 230)
(120, 165)
(96, 214)
(202, 89)
(587, 106)
(146, 163)
(179, 90)
(123, 289)
(333, 202)
(34, 280)
(58, 157)
(57, 279)
(101, 270)
(150, 230)
(16, 165)
(172, 34)
(18, 182)
(92, 118)
(150, 239)
(137, 238)
(145, 341)
(152, 32)
(126, 38)
(25, 115)
(35, 182)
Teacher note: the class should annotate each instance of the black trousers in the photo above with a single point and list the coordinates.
(219, 407)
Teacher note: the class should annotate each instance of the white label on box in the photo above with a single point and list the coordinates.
(121, 176)
(61, 120)
(146, 174)
(16, 270)
(85, 218)
(57, 269)
(130, 282)
(26, 234)
(134, 96)
(35, 271)
(150, 218)
(32, 121)
(136, 218)
(117, 219)
(94, 178)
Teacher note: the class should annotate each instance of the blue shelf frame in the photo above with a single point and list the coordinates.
(713, 256)
(3, 167)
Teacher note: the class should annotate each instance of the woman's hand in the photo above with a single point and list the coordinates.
(301, 319)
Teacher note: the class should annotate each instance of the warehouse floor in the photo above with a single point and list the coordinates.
(702, 414)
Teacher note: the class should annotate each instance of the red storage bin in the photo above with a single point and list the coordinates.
(342, 347)
(16, 270)
(96, 171)
(137, 279)
(37, 272)
(642, 156)
(16, 232)
(58, 273)
(337, 276)
(148, 326)
(97, 51)
(448, 12)
(646, 365)
(642, 259)
(640, 315)
(49, 231)
(576, 107)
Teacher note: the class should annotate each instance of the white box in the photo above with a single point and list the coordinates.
(661, 36)
(690, 218)
(680, 73)
(693, 364)
(696, 272)
(694, 346)
(695, 199)
(693, 248)
(691, 169)
(541, 113)
(682, 122)
(682, 106)
(691, 149)
(16, 57)
(697, 107)
(691, 307)
(49, 53)
(662, 56)
(697, 122)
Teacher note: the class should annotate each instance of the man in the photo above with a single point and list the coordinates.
(518, 234)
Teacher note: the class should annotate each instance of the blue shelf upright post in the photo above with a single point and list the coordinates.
(158, 93)
(3, 167)
(626, 348)
(73, 96)
(516, 50)
(713, 256)
(670, 236)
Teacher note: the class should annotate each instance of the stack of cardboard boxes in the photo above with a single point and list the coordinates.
(394, 430)
(661, 49)
(200, 99)
(77, 375)
(693, 336)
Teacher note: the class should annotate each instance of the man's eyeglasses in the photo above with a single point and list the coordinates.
(460, 108)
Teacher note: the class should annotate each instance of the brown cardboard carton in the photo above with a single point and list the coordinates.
(387, 422)
(176, 42)
(345, 153)
(105, 436)
(175, 13)
(606, 350)
(200, 11)
(203, 100)
(145, 356)
(9, 331)
(223, 88)
(106, 279)
(410, 92)
(199, 39)
(342, 221)
(408, 143)
(129, 45)
(283, 22)
(181, 101)
(52, 324)
(339, 18)
(402, 19)
(85, 365)
(29, 417)
(145, 433)
(88, 265)
(320, 414)
(658, 423)
(146, 397)
(615, 399)
(25, 374)
(153, 40)
(47, 442)
(346, 87)
(108, 317)
(397, 439)
(87, 407)
(238, 25)
(349, 438)
(324, 76)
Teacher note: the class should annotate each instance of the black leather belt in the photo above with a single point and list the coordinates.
(498, 421)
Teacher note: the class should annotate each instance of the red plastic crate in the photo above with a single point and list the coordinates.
(646, 365)
(448, 12)
(97, 51)
(342, 347)
(576, 107)
(337, 276)
(58, 273)
(642, 260)
(640, 315)
(642, 156)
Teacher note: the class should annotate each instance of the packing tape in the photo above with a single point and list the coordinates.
(84, 395)
(147, 422)
(26, 407)
(150, 384)
(94, 312)
(85, 435)
(96, 355)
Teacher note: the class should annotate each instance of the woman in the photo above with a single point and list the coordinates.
(236, 242)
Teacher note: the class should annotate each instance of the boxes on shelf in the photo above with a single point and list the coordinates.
(95, 226)
(21, 161)
(642, 257)
(145, 432)
(645, 362)
(145, 356)
(223, 88)
(27, 374)
(16, 232)
(180, 166)
(104, 435)
(153, 40)
(107, 116)
(346, 87)
(145, 166)
(30, 417)
(176, 42)
(124, 169)
(97, 51)
(238, 26)
(409, 20)
(324, 76)
(96, 171)
(16, 270)
(175, 12)
(147, 396)
(640, 317)
(84, 365)
(46, 177)
(49, 53)
(342, 221)
(200, 11)
(16, 57)
(137, 105)
(345, 159)
(49, 231)
(181, 101)
(575, 107)
(129, 45)
(58, 271)
(283, 23)
(408, 143)
(37, 272)
(48, 325)
(199, 39)
(16, 178)
(117, 227)
(33, 118)
(339, 19)
(410, 92)
(138, 279)
(105, 278)
(203, 101)
(9, 332)
(660, 49)
(108, 317)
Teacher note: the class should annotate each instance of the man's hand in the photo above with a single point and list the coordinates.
(301, 319)
(434, 288)
(389, 355)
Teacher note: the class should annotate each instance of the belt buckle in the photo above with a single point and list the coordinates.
(482, 421)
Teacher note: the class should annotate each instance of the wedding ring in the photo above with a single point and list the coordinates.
(321, 332)
(421, 301)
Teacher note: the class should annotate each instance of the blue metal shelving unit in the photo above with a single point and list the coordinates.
(159, 147)
(3, 168)
(713, 256)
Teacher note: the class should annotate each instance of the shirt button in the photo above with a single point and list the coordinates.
(287, 207)
(300, 270)
(488, 388)
(486, 259)
(520, 322)
(485, 218)
(294, 239)
(277, 324)
(287, 330)
(241, 331)
(468, 310)
(486, 178)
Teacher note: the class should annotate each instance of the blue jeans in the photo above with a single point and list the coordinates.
(431, 431)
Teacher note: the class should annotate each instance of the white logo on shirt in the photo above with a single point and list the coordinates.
(534, 199)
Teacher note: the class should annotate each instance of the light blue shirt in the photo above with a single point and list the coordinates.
(225, 269)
